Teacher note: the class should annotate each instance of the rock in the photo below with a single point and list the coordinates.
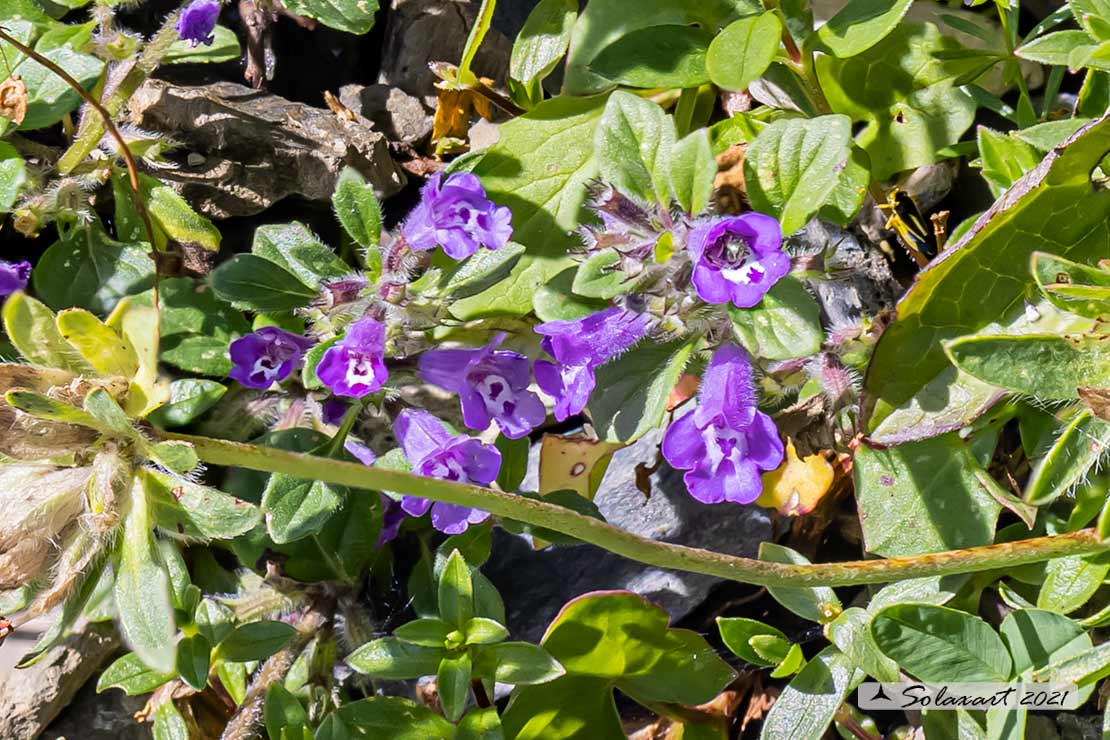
(259, 148)
(395, 113)
(536, 584)
(93, 716)
(421, 31)
(30, 698)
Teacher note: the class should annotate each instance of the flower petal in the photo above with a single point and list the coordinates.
(683, 445)
(420, 434)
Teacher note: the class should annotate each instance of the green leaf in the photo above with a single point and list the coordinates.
(1071, 286)
(935, 643)
(789, 664)
(233, 677)
(1079, 445)
(189, 398)
(456, 591)
(453, 684)
(785, 325)
(483, 631)
(173, 215)
(32, 328)
(257, 284)
(352, 16)
(213, 620)
(605, 21)
(297, 249)
(130, 674)
(427, 632)
(357, 208)
(991, 262)
(197, 354)
(224, 48)
(514, 461)
(255, 641)
(298, 507)
(668, 56)
(1070, 582)
(390, 658)
(637, 385)
(520, 663)
(585, 709)
(921, 497)
(1083, 668)
(692, 171)
(861, 24)
(738, 632)
(1055, 48)
(386, 717)
(741, 53)
(851, 633)
(187, 509)
(192, 661)
(916, 111)
(1038, 638)
(556, 300)
(105, 350)
(49, 97)
(142, 589)
(168, 723)
(481, 724)
(1004, 159)
(633, 147)
(792, 167)
(88, 269)
(482, 269)
(1042, 365)
(283, 714)
(805, 708)
(817, 604)
(600, 276)
(542, 40)
(539, 168)
(13, 176)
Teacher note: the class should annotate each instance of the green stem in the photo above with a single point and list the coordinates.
(633, 547)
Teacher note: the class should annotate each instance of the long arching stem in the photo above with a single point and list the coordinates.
(626, 544)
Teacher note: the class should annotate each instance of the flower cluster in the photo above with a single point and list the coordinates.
(726, 442)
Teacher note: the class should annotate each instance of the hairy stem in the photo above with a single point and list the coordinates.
(633, 547)
(128, 158)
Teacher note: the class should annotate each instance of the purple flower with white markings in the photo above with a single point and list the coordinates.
(392, 513)
(355, 365)
(266, 356)
(737, 258)
(725, 443)
(492, 385)
(196, 22)
(579, 346)
(14, 276)
(436, 453)
(454, 213)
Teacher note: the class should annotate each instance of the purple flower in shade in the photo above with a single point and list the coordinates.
(355, 365)
(725, 443)
(436, 453)
(13, 276)
(333, 410)
(392, 513)
(456, 215)
(737, 258)
(196, 22)
(266, 356)
(579, 346)
(492, 385)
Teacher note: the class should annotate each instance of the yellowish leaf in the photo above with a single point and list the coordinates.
(574, 464)
(796, 486)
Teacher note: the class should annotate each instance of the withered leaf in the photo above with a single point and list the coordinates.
(13, 99)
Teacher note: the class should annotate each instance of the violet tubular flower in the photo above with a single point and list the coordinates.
(436, 453)
(492, 385)
(392, 513)
(737, 258)
(579, 346)
(725, 444)
(197, 21)
(14, 276)
(355, 365)
(266, 356)
(454, 213)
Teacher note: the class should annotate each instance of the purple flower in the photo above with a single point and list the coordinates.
(492, 385)
(197, 21)
(436, 453)
(13, 276)
(725, 443)
(392, 513)
(456, 215)
(266, 356)
(737, 258)
(333, 410)
(579, 346)
(355, 365)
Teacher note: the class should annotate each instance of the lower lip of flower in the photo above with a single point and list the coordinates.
(360, 370)
(723, 443)
(496, 394)
(735, 261)
(446, 468)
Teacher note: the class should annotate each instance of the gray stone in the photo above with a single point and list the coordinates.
(536, 584)
(259, 147)
(395, 113)
(422, 31)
